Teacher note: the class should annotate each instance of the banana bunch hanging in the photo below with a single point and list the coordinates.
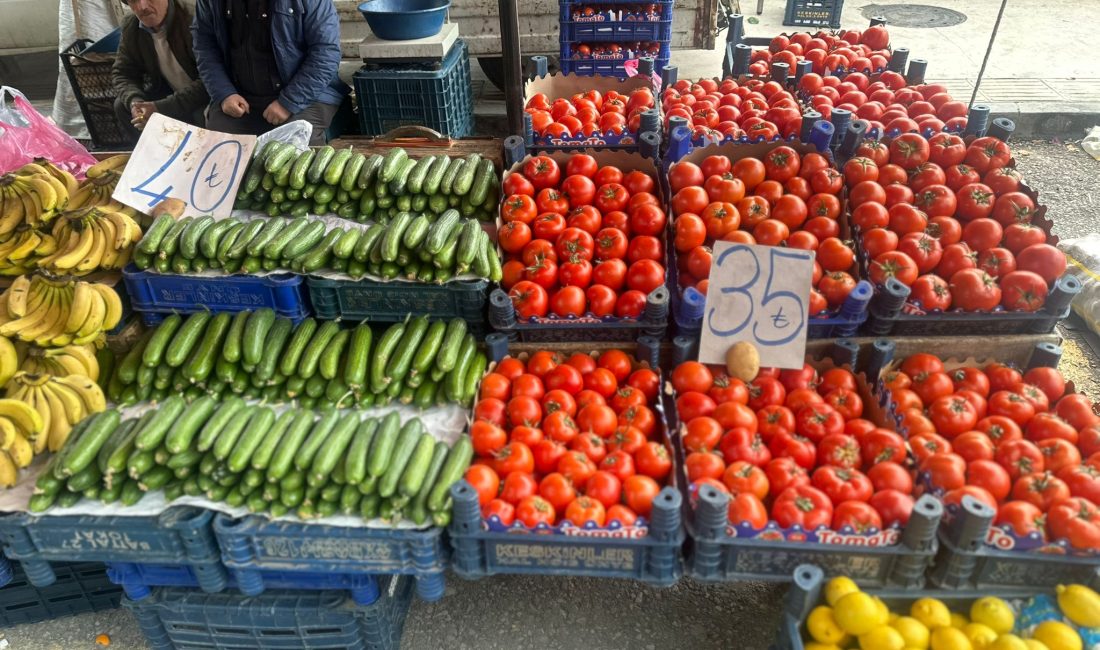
(52, 312)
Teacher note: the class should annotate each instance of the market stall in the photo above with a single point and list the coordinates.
(634, 341)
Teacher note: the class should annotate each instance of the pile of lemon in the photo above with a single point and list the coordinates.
(854, 619)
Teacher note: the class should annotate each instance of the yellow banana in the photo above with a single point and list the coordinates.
(47, 326)
(127, 230)
(8, 433)
(55, 335)
(42, 440)
(77, 360)
(22, 451)
(90, 392)
(100, 242)
(113, 304)
(11, 215)
(63, 364)
(32, 168)
(83, 197)
(67, 396)
(9, 473)
(22, 415)
(29, 241)
(9, 360)
(60, 192)
(94, 322)
(17, 296)
(59, 419)
(70, 182)
(111, 253)
(48, 245)
(33, 319)
(107, 165)
(75, 254)
(46, 192)
(81, 306)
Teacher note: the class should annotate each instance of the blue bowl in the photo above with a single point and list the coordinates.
(405, 20)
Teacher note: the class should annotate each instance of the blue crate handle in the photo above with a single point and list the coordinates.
(977, 120)
(1045, 355)
(852, 137)
(821, 134)
(1002, 128)
(683, 349)
(742, 54)
(668, 76)
(898, 58)
(844, 352)
(915, 74)
(966, 532)
(809, 118)
(515, 146)
(880, 354)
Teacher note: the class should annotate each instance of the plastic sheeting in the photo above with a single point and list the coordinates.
(1084, 264)
(76, 19)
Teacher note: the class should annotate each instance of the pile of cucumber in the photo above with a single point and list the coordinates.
(259, 355)
(422, 247)
(313, 463)
(282, 181)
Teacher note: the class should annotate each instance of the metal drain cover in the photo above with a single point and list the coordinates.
(914, 15)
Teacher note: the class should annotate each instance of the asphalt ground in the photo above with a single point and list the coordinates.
(551, 613)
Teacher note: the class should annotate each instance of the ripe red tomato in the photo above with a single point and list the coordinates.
(975, 290)
(909, 150)
(894, 264)
(803, 506)
(893, 506)
(946, 471)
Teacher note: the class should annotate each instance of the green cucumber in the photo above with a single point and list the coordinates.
(274, 248)
(300, 167)
(378, 460)
(435, 175)
(271, 440)
(335, 169)
(320, 163)
(428, 349)
(397, 366)
(183, 431)
(158, 342)
(456, 379)
(367, 241)
(244, 238)
(226, 412)
(452, 344)
(391, 239)
(153, 432)
(231, 348)
(150, 242)
(412, 478)
(440, 231)
(279, 156)
(419, 510)
(368, 172)
(446, 186)
(386, 347)
(201, 362)
(288, 364)
(462, 452)
(189, 238)
(485, 177)
(344, 246)
(273, 347)
(416, 177)
(399, 184)
(329, 363)
(311, 356)
(272, 228)
(416, 231)
(310, 236)
(358, 357)
(465, 179)
(227, 240)
(170, 243)
(355, 465)
(227, 438)
(468, 244)
(81, 451)
(317, 436)
(351, 171)
(391, 164)
(317, 256)
(258, 427)
(289, 445)
(255, 335)
(333, 450)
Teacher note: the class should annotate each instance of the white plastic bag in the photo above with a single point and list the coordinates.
(1083, 255)
(296, 133)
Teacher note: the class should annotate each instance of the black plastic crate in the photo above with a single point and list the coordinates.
(813, 13)
(80, 587)
(176, 618)
(616, 30)
(88, 65)
(421, 94)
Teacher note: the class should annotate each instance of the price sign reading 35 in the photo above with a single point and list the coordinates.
(757, 294)
(175, 160)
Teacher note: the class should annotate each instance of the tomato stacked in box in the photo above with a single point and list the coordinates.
(785, 199)
(728, 109)
(590, 113)
(1018, 442)
(583, 240)
(950, 221)
(572, 440)
(861, 51)
(792, 447)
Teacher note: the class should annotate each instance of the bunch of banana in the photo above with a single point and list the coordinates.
(23, 249)
(62, 362)
(21, 427)
(89, 239)
(109, 167)
(29, 196)
(53, 313)
(60, 402)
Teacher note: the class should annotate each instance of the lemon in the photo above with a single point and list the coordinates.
(882, 637)
(933, 613)
(1032, 644)
(994, 613)
(857, 613)
(950, 638)
(1056, 635)
(981, 636)
(958, 620)
(914, 632)
(837, 588)
(814, 645)
(822, 626)
(1008, 642)
(883, 610)
(1080, 604)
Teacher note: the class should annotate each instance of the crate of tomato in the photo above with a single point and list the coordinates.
(794, 466)
(775, 194)
(574, 471)
(1014, 453)
(569, 111)
(584, 240)
(954, 241)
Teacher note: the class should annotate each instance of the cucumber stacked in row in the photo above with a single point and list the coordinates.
(314, 463)
(260, 355)
(421, 247)
(282, 181)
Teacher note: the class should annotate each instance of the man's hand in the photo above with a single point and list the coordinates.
(234, 106)
(140, 112)
(275, 113)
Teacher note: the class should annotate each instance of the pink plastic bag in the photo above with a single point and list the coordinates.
(25, 135)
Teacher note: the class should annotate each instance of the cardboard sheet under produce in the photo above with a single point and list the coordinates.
(446, 423)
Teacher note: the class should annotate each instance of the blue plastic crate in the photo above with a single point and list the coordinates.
(157, 295)
(391, 302)
(79, 587)
(254, 545)
(650, 553)
(605, 67)
(139, 579)
(808, 581)
(813, 13)
(179, 535)
(174, 618)
(616, 31)
(401, 94)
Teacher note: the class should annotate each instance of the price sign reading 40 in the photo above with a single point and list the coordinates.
(757, 294)
(175, 160)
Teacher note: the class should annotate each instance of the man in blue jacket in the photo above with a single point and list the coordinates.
(266, 62)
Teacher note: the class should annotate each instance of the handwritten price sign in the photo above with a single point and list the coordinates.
(757, 294)
(175, 160)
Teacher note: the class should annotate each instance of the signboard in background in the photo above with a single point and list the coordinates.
(757, 294)
(175, 160)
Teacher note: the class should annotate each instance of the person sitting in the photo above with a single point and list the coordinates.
(155, 69)
(266, 62)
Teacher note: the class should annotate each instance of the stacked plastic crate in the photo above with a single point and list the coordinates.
(599, 38)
